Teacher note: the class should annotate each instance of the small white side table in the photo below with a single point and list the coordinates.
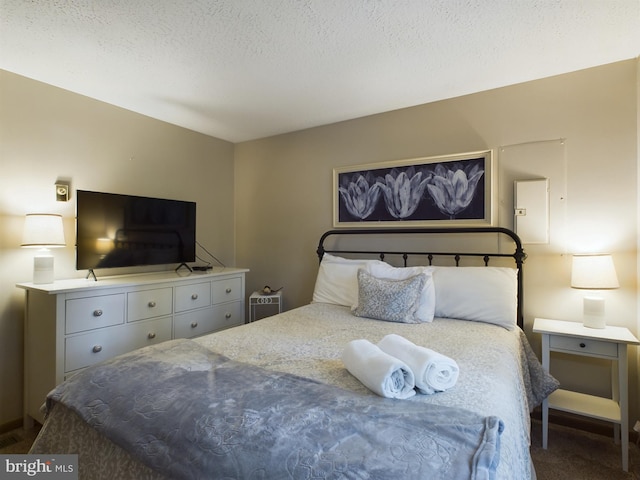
(609, 343)
(257, 299)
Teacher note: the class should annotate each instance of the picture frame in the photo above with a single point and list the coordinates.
(441, 191)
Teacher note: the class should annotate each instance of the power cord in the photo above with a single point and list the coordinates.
(208, 266)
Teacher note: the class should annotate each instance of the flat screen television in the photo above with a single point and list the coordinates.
(125, 231)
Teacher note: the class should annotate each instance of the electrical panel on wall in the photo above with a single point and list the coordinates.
(531, 203)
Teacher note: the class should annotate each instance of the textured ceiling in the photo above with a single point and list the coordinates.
(245, 69)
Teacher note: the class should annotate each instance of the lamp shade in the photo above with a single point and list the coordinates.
(593, 272)
(43, 230)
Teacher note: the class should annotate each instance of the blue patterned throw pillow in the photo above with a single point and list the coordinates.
(390, 300)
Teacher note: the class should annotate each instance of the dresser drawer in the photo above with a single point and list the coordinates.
(89, 313)
(227, 290)
(89, 348)
(206, 321)
(197, 295)
(149, 303)
(148, 332)
(193, 324)
(583, 346)
(228, 315)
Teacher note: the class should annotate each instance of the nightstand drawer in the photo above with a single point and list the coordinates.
(583, 346)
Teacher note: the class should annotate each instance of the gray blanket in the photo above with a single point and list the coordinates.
(190, 413)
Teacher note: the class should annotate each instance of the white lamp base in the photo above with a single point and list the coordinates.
(593, 313)
(43, 269)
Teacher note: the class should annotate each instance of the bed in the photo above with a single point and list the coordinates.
(275, 399)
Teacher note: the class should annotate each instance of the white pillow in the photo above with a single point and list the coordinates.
(481, 294)
(337, 280)
(426, 302)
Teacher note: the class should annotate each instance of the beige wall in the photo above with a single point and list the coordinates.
(47, 133)
(584, 126)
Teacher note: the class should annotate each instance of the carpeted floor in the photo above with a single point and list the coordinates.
(17, 441)
(572, 454)
(578, 455)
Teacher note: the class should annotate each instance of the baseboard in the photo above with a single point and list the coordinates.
(7, 427)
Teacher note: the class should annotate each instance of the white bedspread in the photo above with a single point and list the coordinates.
(494, 376)
(308, 341)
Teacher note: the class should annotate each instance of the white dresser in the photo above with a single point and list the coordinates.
(71, 324)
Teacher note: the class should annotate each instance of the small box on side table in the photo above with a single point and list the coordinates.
(272, 303)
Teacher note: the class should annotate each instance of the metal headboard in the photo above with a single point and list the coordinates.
(518, 254)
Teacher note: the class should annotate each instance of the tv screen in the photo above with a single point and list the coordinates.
(124, 231)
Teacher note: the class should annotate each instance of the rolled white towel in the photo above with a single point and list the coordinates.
(434, 372)
(382, 373)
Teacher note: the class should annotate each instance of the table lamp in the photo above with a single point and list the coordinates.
(43, 231)
(593, 272)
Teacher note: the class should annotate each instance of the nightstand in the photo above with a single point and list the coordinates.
(258, 299)
(609, 343)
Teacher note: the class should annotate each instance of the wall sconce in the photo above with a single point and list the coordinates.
(593, 272)
(43, 231)
(62, 192)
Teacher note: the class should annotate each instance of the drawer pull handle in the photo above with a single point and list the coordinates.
(227, 316)
(582, 345)
(97, 313)
(228, 290)
(194, 324)
(152, 304)
(151, 335)
(194, 296)
(97, 348)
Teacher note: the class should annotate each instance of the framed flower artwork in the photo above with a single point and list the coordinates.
(449, 190)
